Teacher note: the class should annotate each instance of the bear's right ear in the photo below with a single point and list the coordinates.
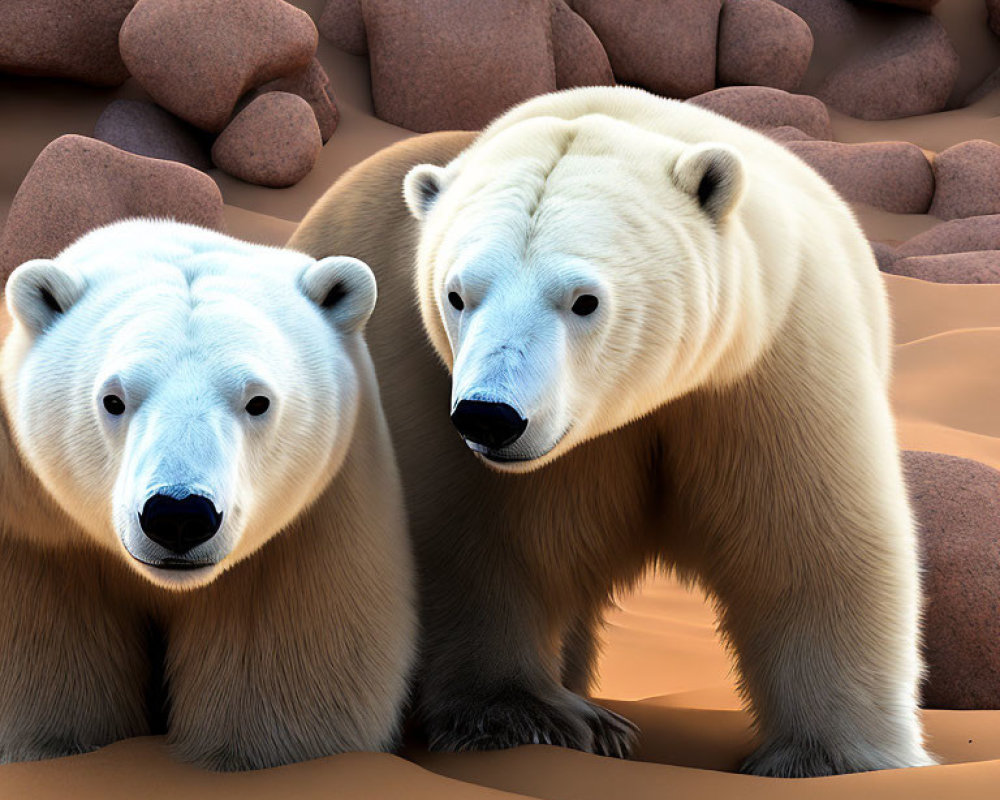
(343, 287)
(40, 291)
(421, 188)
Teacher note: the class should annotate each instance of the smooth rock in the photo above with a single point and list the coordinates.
(955, 236)
(75, 39)
(78, 183)
(343, 24)
(196, 58)
(956, 502)
(910, 72)
(668, 46)
(579, 56)
(764, 107)
(762, 44)
(313, 85)
(895, 176)
(147, 130)
(977, 266)
(274, 141)
(885, 255)
(788, 133)
(968, 180)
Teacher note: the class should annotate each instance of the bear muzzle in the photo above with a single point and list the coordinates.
(179, 525)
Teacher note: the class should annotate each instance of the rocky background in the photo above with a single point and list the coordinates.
(187, 108)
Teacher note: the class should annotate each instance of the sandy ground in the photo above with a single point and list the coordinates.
(663, 665)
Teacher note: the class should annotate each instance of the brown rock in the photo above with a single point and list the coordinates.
(788, 133)
(956, 502)
(895, 176)
(147, 130)
(578, 54)
(968, 180)
(987, 87)
(885, 255)
(447, 64)
(978, 266)
(993, 13)
(78, 183)
(667, 47)
(761, 43)
(956, 236)
(197, 57)
(274, 141)
(911, 72)
(764, 107)
(919, 5)
(75, 39)
(313, 85)
(343, 24)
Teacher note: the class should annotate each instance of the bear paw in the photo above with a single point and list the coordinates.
(810, 759)
(42, 751)
(518, 716)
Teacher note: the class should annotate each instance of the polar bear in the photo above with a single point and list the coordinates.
(202, 512)
(668, 345)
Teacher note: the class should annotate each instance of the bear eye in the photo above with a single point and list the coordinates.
(585, 305)
(257, 405)
(456, 301)
(113, 404)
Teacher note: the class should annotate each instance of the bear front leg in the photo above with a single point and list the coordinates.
(74, 671)
(490, 677)
(803, 531)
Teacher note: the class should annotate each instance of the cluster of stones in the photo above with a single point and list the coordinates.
(235, 82)
(445, 64)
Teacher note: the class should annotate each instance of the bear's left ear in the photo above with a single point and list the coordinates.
(343, 287)
(421, 187)
(40, 291)
(714, 175)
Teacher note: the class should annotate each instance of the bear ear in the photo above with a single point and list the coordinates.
(714, 175)
(40, 291)
(344, 288)
(421, 188)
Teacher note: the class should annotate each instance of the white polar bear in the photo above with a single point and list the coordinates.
(201, 454)
(669, 344)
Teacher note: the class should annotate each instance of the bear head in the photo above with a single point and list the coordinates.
(182, 395)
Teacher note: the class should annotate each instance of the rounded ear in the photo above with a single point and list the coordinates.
(421, 187)
(40, 291)
(714, 175)
(344, 288)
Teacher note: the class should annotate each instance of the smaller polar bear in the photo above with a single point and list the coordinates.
(668, 344)
(202, 514)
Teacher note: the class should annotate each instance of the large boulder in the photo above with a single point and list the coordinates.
(956, 236)
(78, 183)
(956, 502)
(910, 72)
(313, 85)
(763, 44)
(763, 107)
(968, 180)
(146, 129)
(449, 64)
(197, 57)
(919, 5)
(274, 141)
(895, 176)
(668, 47)
(76, 39)
(977, 266)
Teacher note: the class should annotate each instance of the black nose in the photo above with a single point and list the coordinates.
(179, 525)
(494, 425)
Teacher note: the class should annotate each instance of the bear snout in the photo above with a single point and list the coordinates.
(179, 525)
(493, 425)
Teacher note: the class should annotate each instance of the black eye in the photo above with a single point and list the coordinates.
(456, 301)
(585, 305)
(258, 405)
(113, 404)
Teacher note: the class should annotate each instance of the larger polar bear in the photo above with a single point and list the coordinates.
(668, 344)
(202, 468)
